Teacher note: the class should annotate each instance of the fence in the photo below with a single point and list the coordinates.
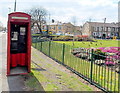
(84, 64)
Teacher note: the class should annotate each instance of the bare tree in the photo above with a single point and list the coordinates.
(38, 16)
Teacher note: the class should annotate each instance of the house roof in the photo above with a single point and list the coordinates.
(103, 24)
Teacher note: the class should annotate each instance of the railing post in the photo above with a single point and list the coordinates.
(36, 44)
(119, 77)
(63, 53)
(91, 67)
(49, 48)
(41, 47)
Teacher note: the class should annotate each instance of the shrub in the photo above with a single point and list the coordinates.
(98, 54)
(109, 63)
(74, 52)
(84, 56)
(78, 55)
(63, 38)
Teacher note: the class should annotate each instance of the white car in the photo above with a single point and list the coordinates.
(3, 31)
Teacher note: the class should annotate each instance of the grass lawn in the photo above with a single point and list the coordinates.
(101, 75)
(98, 43)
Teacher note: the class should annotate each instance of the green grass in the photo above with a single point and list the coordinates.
(102, 76)
(38, 77)
(86, 44)
(36, 34)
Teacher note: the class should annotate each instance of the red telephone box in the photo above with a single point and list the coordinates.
(19, 43)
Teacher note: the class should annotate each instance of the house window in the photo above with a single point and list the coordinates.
(54, 28)
(113, 28)
(101, 28)
(106, 28)
(97, 28)
(59, 27)
(94, 33)
(94, 28)
(109, 29)
(117, 29)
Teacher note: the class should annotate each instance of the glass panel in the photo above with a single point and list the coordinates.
(14, 36)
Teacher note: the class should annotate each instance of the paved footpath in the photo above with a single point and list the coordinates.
(3, 78)
(0, 62)
(10, 83)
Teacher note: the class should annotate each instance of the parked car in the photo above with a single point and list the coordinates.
(3, 31)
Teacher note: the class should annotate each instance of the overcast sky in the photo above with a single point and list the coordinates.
(65, 10)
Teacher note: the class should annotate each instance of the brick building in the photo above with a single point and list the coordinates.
(58, 27)
(100, 30)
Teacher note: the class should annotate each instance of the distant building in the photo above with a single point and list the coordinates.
(59, 27)
(64, 28)
(56, 28)
(100, 30)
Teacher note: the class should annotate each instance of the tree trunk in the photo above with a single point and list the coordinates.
(39, 27)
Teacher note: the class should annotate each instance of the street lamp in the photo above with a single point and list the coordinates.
(15, 6)
(104, 27)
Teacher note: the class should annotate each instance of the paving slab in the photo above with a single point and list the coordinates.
(8, 83)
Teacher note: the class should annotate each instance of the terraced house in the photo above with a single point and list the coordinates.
(59, 28)
(101, 30)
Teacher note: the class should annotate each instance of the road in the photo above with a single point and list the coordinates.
(9, 83)
(3, 62)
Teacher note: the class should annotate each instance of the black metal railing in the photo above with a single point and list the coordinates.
(100, 70)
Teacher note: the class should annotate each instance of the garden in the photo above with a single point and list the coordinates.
(71, 38)
(99, 66)
(103, 56)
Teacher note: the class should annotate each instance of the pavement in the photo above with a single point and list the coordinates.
(0, 62)
(8, 83)
(3, 77)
